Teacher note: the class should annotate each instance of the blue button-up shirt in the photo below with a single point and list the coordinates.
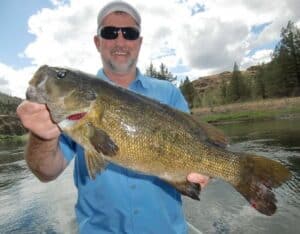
(120, 200)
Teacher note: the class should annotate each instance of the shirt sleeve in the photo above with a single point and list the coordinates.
(67, 147)
(178, 101)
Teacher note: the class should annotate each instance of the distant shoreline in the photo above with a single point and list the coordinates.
(250, 111)
(237, 112)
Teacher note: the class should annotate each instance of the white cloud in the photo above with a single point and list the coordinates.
(207, 42)
(64, 36)
(58, 2)
(14, 82)
(259, 57)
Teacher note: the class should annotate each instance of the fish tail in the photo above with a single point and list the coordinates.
(259, 176)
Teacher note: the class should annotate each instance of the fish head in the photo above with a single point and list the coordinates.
(67, 93)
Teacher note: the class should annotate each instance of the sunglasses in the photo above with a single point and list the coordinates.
(111, 33)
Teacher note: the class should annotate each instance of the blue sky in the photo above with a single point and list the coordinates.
(14, 15)
(193, 38)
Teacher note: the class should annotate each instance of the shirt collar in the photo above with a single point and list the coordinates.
(139, 79)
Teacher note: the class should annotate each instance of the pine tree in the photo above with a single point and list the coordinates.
(162, 74)
(188, 91)
(287, 57)
(234, 89)
(151, 71)
(223, 92)
(259, 83)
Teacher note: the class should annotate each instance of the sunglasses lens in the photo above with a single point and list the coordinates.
(111, 33)
(130, 33)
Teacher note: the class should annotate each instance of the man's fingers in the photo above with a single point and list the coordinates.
(27, 107)
(36, 118)
(199, 179)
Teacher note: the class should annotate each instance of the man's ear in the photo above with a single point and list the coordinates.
(140, 43)
(97, 42)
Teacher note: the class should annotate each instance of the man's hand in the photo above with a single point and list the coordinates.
(199, 179)
(36, 118)
(42, 153)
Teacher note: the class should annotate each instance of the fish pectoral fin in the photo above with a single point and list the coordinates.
(102, 143)
(95, 163)
(187, 188)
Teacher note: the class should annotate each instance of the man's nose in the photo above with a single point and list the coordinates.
(120, 39)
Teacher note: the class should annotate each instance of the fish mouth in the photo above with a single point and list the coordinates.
(33, 95)
(70, 120)
(76, 116)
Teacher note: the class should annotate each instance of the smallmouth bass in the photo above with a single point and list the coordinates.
(116, 125)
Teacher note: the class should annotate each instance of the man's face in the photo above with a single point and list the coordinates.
(118, 55)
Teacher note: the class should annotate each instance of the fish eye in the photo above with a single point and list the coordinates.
(61, 74)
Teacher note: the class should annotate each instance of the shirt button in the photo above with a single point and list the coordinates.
(133, 186)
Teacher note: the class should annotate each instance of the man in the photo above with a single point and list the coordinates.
(118, 200)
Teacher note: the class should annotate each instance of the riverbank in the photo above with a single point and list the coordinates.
(13, 139)
(250, 111)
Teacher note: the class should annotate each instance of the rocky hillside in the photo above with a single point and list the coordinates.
(9, 122)
(8, 104)
(11, 125)
(212, 81)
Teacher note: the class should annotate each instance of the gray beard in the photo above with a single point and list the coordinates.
(121, 68)
(124, 68)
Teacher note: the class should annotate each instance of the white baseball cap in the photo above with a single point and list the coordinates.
(118, 6)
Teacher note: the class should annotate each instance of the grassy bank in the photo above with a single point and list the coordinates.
(250, 111)
(4, 139)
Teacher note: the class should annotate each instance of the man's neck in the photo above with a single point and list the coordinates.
(122, 80)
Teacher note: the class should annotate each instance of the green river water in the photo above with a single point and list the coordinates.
(28, 206)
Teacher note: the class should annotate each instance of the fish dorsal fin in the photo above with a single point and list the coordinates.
(215, 135)
(212, 134)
